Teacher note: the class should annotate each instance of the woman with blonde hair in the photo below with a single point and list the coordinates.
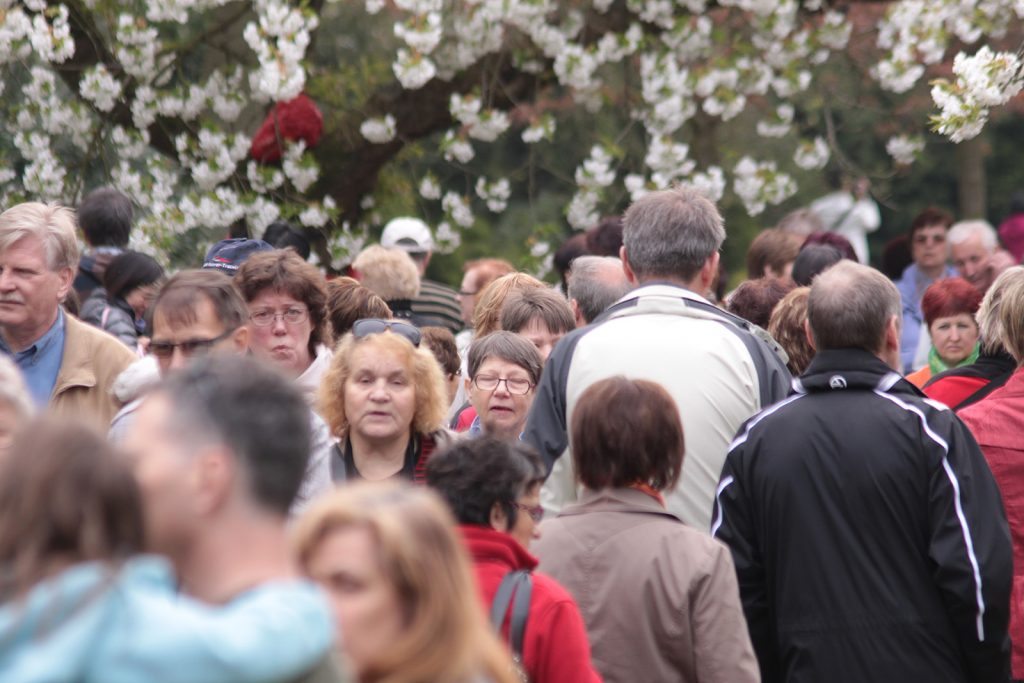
(401, 586)
(384, 398)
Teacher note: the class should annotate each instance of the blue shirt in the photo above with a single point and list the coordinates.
(40, 363)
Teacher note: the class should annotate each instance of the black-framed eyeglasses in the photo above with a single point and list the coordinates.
(266, 317)
(925, 239)
(536, 512)
(367, 326)
(515, 385)
(189, 347)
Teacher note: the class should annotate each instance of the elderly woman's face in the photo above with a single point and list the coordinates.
(954, 337)
(502, 408)
(279, 327)
(380, 394)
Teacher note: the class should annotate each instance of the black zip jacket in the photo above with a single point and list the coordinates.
(868, 534)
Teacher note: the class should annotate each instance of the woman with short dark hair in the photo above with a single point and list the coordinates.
(659, 599)
(493, 487)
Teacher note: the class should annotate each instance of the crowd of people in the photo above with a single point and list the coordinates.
(249, 471)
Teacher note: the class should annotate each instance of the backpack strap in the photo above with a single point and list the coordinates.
(514, 591)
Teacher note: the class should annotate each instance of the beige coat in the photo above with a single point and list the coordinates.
(659, 599)
(91, 362)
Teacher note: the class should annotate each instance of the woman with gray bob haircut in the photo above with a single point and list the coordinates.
(504, 369)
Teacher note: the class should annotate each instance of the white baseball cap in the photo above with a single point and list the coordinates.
(409, 234)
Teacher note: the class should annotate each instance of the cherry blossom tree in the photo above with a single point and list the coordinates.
(161, 98)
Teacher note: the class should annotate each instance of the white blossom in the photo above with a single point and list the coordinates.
(904, 149)
(300, 168)
(495, 194)
(456, 206)
(429, 187)
(812, 154)
(457, 147)
(379, 130)
(413, 70)
(582, 211)
(100, 87)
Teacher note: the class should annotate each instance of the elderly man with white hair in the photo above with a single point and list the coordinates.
(68, 366)
(974, 247)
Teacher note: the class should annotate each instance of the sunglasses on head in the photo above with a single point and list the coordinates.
(367, 326)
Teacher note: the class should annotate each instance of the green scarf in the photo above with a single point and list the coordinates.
(937, 365)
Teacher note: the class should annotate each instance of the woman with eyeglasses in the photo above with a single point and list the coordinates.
(659, 599)
(385, 400)
(504, 369)
(287, 300)
(493, 488)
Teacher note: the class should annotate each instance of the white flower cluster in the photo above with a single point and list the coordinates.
(986, 80)
(779, 124)
(316, 215)
(44, 175)
(100, 87)
(758, 184)
(446, 240)
(412, 69)
(592, 176)
(541, 129)
(212, 156)
(495, 193)
(812, 154)
(380, 130)
(429, 187)
(279, 40)
(457, 207)
(904, 149)
(484, 125)
(456, 147)
(263, 179)
(136, 47)
(300, 168)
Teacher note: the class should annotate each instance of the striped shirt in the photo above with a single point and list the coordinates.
(436, 305)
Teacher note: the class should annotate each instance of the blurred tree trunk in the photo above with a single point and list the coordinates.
(970, 176)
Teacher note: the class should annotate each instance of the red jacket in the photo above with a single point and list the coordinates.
(996, 424)
(555, 646)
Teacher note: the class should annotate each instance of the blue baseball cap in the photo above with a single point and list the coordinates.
(228, 255)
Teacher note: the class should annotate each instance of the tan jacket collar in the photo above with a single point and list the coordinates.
(76, 367)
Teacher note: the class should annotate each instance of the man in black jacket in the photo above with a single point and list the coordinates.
(868, 533)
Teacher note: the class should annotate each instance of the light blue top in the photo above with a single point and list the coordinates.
(40, 363)
(911, 286)
(93, 624)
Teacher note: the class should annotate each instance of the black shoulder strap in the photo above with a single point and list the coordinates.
(514, 591)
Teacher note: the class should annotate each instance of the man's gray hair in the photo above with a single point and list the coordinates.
(671, 233)
(508, 347)
(964, 230)
(596, 282)
(850, 306)
(53, 224)
(988, 316)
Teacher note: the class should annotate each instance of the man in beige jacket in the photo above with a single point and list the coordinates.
(68, 366)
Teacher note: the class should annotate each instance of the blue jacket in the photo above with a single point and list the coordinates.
(91, 623)
(913, 318)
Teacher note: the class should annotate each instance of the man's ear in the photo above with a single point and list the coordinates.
(810, 335)
(626, 268)
(709, 271)
(892, 334)
(240, 339)
(575, 305)
(213, 478)
(66, 277)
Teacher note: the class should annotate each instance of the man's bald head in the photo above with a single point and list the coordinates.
(852, 306)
